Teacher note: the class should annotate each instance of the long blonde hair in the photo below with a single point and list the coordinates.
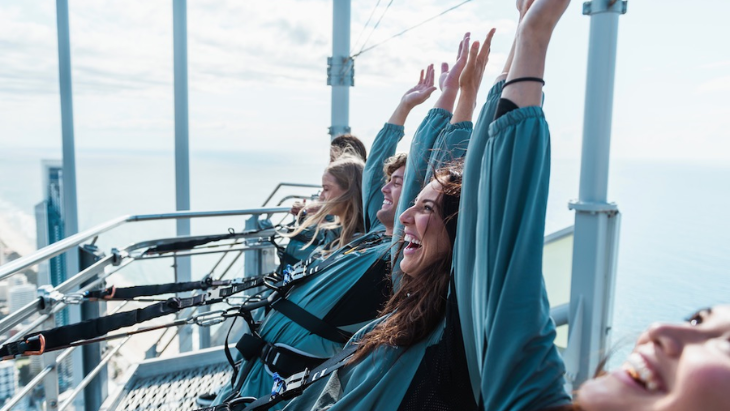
(347, 171)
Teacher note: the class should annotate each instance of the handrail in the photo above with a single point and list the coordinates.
(288, 185)
(50, 251)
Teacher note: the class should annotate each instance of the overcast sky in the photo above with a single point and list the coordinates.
(257, 73)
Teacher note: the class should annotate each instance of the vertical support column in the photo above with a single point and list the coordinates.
(50, 382)
(182, 151)
(596, 221)
(68, 181)
(340, 73)
(96, 391)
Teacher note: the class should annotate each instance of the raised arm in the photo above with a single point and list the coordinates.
(385, 144)
(454, 139)
(426, 136)
(505, 314)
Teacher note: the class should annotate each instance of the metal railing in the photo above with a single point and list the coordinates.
(56, 299)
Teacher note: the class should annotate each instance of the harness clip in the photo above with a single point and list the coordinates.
(34, 345)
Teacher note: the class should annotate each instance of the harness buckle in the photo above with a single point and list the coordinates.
(210, 318)
(279, 386)
(295, 384)
(290, 387)
(293, 273)
(76, 298)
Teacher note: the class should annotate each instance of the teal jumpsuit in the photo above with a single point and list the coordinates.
(348, 293)
(508, 356)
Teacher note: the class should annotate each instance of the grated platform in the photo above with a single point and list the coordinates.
(173, 383)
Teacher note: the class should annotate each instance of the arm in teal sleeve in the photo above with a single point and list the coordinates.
(503, 305)
(373, 179)
(450, 145)
(417, 165)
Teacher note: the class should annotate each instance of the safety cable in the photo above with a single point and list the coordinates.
(365, 26)
(363, 50)
(375, 27)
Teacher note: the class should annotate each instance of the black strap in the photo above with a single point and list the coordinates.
(60, 337)
(294, 386)
(310, 322)
(128, 293)
(291, 387)
(520, 79)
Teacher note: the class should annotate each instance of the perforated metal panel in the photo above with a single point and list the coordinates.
(175, 391)
(172, 384)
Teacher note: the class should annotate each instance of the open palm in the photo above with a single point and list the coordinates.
(421, 91)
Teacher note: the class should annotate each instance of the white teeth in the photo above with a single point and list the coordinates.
(409, 239)
(387, 202)
(637, 368)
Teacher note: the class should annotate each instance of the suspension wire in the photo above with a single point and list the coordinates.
(375, 27)
(365, 26)
(363, 50)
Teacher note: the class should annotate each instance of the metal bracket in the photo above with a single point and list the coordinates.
(342, 74)
(48, 298)
(604, 6)
(593, 208)
(116, 257)
(330, 131)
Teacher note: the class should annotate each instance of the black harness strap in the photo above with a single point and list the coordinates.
(189, 244)
(128, 293)
(310, 322)
(286, 389)
(58, 337)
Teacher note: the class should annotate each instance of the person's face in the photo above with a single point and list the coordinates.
(391, 195)
(330, 188)
(674, 367)
(426, 238)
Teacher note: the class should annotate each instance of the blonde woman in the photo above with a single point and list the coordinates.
(341, 197)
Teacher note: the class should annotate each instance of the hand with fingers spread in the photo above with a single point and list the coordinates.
(421, 91)
(471, 79)
(415, 96)
(449, 79)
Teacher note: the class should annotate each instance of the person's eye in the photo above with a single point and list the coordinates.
(698, 317)
(428, 208)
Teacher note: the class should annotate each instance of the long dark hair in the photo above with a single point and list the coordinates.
(420, 303)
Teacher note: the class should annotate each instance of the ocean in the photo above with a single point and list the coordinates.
(675, 233)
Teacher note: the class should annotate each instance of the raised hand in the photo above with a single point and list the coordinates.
(415, 96)
(450, 78)
(421, 91)
(471, 79)
(471, 76)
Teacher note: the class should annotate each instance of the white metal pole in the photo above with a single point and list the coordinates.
(68, 181)
(596, 221)
(341, 68)
(182, 151)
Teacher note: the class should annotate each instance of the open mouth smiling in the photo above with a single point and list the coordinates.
(412, 244)
(639, 370)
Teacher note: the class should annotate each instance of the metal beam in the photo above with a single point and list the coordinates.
(596, 221)
(340, 68)
(182, 150)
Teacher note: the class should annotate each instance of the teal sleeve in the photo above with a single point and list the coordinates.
(373, 178)
(451, 145)
(504, 310)
(417, 166)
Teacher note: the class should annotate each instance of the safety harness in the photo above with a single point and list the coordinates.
(288, 388)
(281, 359)
(61, 337)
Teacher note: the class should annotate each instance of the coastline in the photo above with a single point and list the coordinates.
(12, 237)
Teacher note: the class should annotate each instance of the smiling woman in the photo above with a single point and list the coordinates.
(674, 367)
